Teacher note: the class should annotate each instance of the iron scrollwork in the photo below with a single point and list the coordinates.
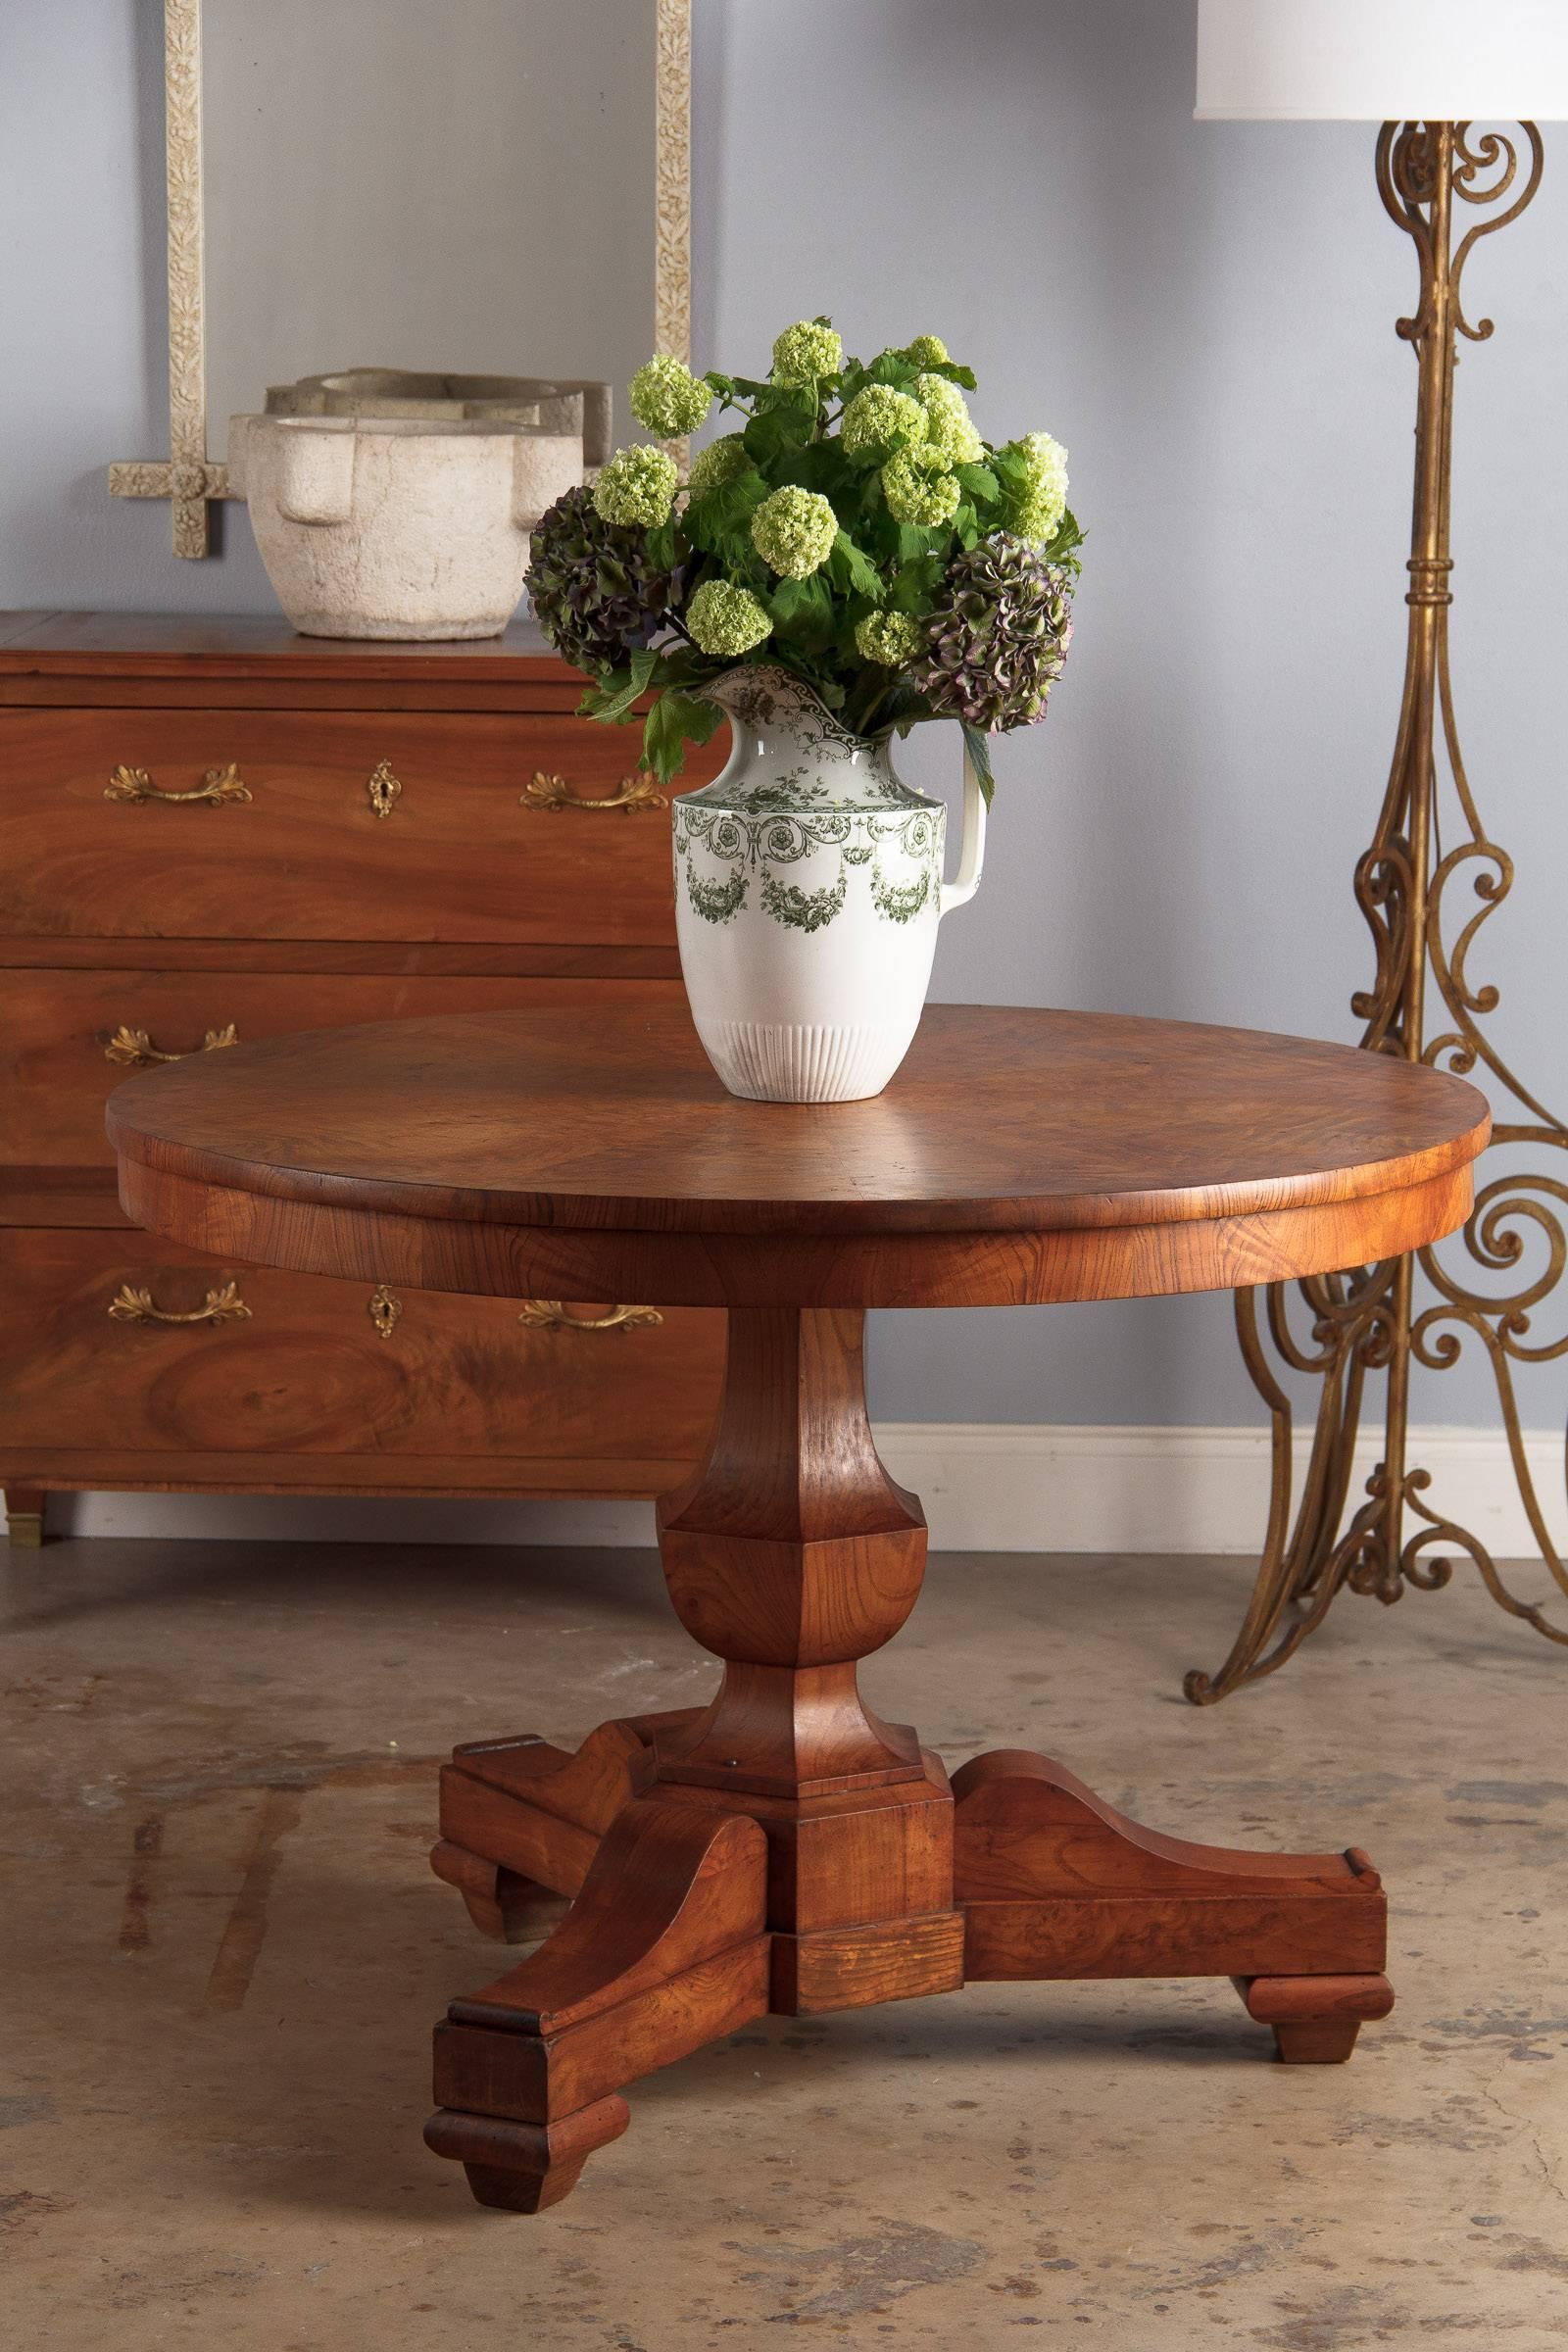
(1408, 885)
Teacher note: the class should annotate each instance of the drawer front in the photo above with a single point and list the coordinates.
(100, 1358)
(67, 1038)
(324, 825)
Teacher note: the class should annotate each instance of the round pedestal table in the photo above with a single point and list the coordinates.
(783, 1849)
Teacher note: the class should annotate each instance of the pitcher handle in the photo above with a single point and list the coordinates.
(972, 849)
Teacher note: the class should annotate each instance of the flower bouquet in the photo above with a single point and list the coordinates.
(857, 531)
(853, 559)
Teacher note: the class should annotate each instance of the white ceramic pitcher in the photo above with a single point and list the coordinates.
(808, 892)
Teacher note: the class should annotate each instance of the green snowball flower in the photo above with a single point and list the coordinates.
(1045, 458)
(725, 619)
(947, 423)
(919, 489)
(668, 397)
(927, 351)
(880, 421)
(794, 530)
(719, 463)
(636, 487)
(806, 352)
(1037, 513)
(889, 638)
(1039, 518)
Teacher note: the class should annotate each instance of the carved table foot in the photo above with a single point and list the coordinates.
(1315, 2018)
(523, 2168)
(666, 1949)
(1056, 1882)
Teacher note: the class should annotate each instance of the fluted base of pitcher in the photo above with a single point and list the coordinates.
(777, 1061)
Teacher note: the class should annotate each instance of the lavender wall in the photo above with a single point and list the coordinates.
(1204, 314)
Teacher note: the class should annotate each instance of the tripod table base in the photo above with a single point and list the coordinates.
(696, 1910)
(785, 1849)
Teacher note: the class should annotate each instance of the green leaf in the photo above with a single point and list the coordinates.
(803, 611)
(795, 600)
(978, 745)
(821, 465)
(679, 666)
(905, 706)
(700, 718)
(724, 513)
(891, 368)
(612, 704)
(979, 481)
(797, 397)
(777, 428)
(852, 570)
(676, 719)
(660, 546)
(915, 584)
(1068, 539)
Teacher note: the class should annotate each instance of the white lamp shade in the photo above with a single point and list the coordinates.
(1382, 61)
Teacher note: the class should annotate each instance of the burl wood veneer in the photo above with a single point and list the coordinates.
(215, 830)
(783, 1847)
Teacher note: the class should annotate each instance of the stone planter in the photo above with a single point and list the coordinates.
(397, 527)
(542, 402)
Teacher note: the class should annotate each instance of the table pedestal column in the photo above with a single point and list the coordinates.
(783, 1849)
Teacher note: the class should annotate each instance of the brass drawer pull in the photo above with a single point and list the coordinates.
(547, 1314)
(225, 1306)
(384, 790)
(554, 793)
(220, 784)
(133, 1048)
(384, 1311)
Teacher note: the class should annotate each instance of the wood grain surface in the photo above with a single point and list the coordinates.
(1018, 1156)
(462, 857)
(161, 645)
(458, 1394)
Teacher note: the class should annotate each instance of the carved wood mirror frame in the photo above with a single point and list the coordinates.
(188, 477)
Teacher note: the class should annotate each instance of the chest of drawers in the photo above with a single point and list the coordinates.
(215, 830)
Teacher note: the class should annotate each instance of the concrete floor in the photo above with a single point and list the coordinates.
(224, 1954)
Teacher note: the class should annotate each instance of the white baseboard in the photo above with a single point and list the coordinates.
(1004, 1488)
(986, 1487)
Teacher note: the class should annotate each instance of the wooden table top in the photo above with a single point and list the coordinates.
(604, 1148)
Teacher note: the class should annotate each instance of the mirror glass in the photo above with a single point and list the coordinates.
(465, 187)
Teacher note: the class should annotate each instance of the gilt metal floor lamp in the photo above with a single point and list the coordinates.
(1433, 72)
